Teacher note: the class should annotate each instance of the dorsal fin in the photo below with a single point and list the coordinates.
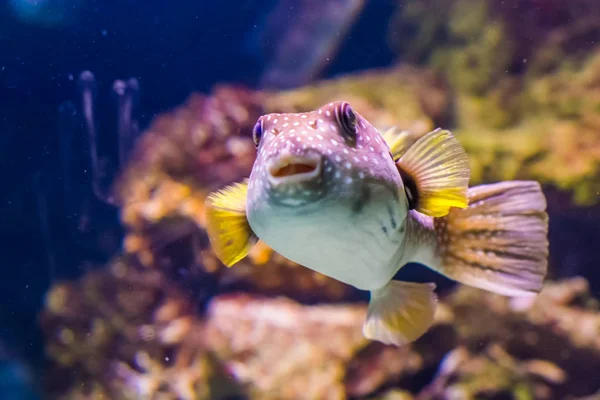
(435, 172)
(399, 140)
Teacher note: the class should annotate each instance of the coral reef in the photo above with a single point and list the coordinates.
(140, 340)
(480, 43)
(124, 332)
(204, 145)
(525, 79)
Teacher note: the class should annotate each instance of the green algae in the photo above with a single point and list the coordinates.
(526, 93)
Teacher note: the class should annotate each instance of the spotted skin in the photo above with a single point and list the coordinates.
(348, 221)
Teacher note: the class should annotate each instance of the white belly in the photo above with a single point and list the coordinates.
(362, 250)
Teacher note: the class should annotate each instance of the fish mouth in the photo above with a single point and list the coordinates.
(293, 168)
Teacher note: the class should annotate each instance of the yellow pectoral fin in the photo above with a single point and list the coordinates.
(227, 227)
(436, 174)
(400, 312)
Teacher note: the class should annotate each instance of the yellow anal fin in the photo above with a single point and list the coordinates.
(399, 141)
(436, 173)
(227, 227)
(400, 312)
(499, 243)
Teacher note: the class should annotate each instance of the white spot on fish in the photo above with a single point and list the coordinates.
(319, 136)
(275, 120)
(348, 165)
(303, 116)
(285, 125)
(347, 180)
(337, 175)
(334, 142)
(361, 175)
(296, 123)
(338, 158)
(328, 113)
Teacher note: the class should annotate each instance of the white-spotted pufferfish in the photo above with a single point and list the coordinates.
(329, 192)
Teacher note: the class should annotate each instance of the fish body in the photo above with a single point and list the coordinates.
(331, 193)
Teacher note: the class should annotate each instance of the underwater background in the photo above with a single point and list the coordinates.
(117, 118)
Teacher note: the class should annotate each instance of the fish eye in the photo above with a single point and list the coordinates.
(347, 121)
(257, 132)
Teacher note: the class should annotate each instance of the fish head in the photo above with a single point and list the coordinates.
(306, 158)
(328, 163)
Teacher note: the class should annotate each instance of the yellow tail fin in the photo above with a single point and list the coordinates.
(500, 242)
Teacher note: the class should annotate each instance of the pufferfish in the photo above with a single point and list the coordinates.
(331, 193)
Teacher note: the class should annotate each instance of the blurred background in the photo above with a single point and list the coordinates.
(117, 118)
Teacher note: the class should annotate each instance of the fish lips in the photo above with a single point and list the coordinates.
(294, 169)
(296, 180)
